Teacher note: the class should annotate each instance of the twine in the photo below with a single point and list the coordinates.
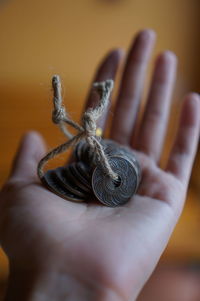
(86, 131)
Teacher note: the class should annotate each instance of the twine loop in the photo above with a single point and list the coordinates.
(86, 131)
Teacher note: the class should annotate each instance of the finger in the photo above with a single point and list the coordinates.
(151, 135)
(30, 151)
(107, 70)
(131, 86)
(185, 146)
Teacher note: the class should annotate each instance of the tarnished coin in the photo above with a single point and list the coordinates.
(113, 148)
(65, 182)
(84, 153)
(112, 193)
(50, 180)
(84, 169)
(81, 151)
(84, 156)
(77, 151)
(78, 179)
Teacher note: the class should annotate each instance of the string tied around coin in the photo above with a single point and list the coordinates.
(85, 131)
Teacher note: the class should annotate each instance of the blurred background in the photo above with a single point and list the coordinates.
(40, 38)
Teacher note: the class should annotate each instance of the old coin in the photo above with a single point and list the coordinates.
(65, 182)
(51, 181)
(83, 152)
(84, 169)
(114, 193)
(78, 179)
(113, 148)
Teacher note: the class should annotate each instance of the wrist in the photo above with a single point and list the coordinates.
(54, 285)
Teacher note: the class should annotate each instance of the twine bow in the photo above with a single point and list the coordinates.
(87, 130)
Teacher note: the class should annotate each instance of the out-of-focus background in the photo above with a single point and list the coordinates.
(69, 38)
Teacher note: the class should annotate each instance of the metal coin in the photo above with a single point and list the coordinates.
(74, 179)
(51, 182)
(84, 169)
(79, 150)
(129, 155)
(80, 180)
(66, 183)
(112, 148)
(111, 193)
(84, 151)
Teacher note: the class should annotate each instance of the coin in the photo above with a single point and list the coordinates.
(76, 178)
(66, 183)
(84, 169)
(112, 193)
(79, 150)
(80, 180)
(112, 148)
(83, 152)
(50, 180)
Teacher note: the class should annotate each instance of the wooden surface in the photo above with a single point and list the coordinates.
(40, 38)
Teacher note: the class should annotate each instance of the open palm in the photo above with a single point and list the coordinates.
(112, 251)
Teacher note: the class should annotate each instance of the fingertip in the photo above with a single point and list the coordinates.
(142, 45)
(146, 35)
(168, 57)
(193, 97)
(191, 101)
(191, 109)
(165, 67)
(109, 64)
(31, 135)
(112, 58)
(31, 149)
(33, 140)
(116, 52)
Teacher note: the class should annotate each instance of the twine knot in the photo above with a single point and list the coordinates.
(58, 114)
(89, 123)
(87, 130)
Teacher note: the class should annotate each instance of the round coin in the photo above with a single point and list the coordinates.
(112, 193)
(113, 148)
(79, 149)
(78, 179)
(84, 169)
(66, 183)
(50, 180)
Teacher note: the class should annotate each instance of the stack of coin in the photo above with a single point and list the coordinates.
(84, 178)
(71, 182)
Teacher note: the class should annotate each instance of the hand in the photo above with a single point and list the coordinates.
(79, 251)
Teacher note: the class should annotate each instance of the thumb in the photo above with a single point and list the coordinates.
(30, 151)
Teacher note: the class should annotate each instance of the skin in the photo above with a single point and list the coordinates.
(172, 282)
(60, 250)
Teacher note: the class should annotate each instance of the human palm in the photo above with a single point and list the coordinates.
(110, 249)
